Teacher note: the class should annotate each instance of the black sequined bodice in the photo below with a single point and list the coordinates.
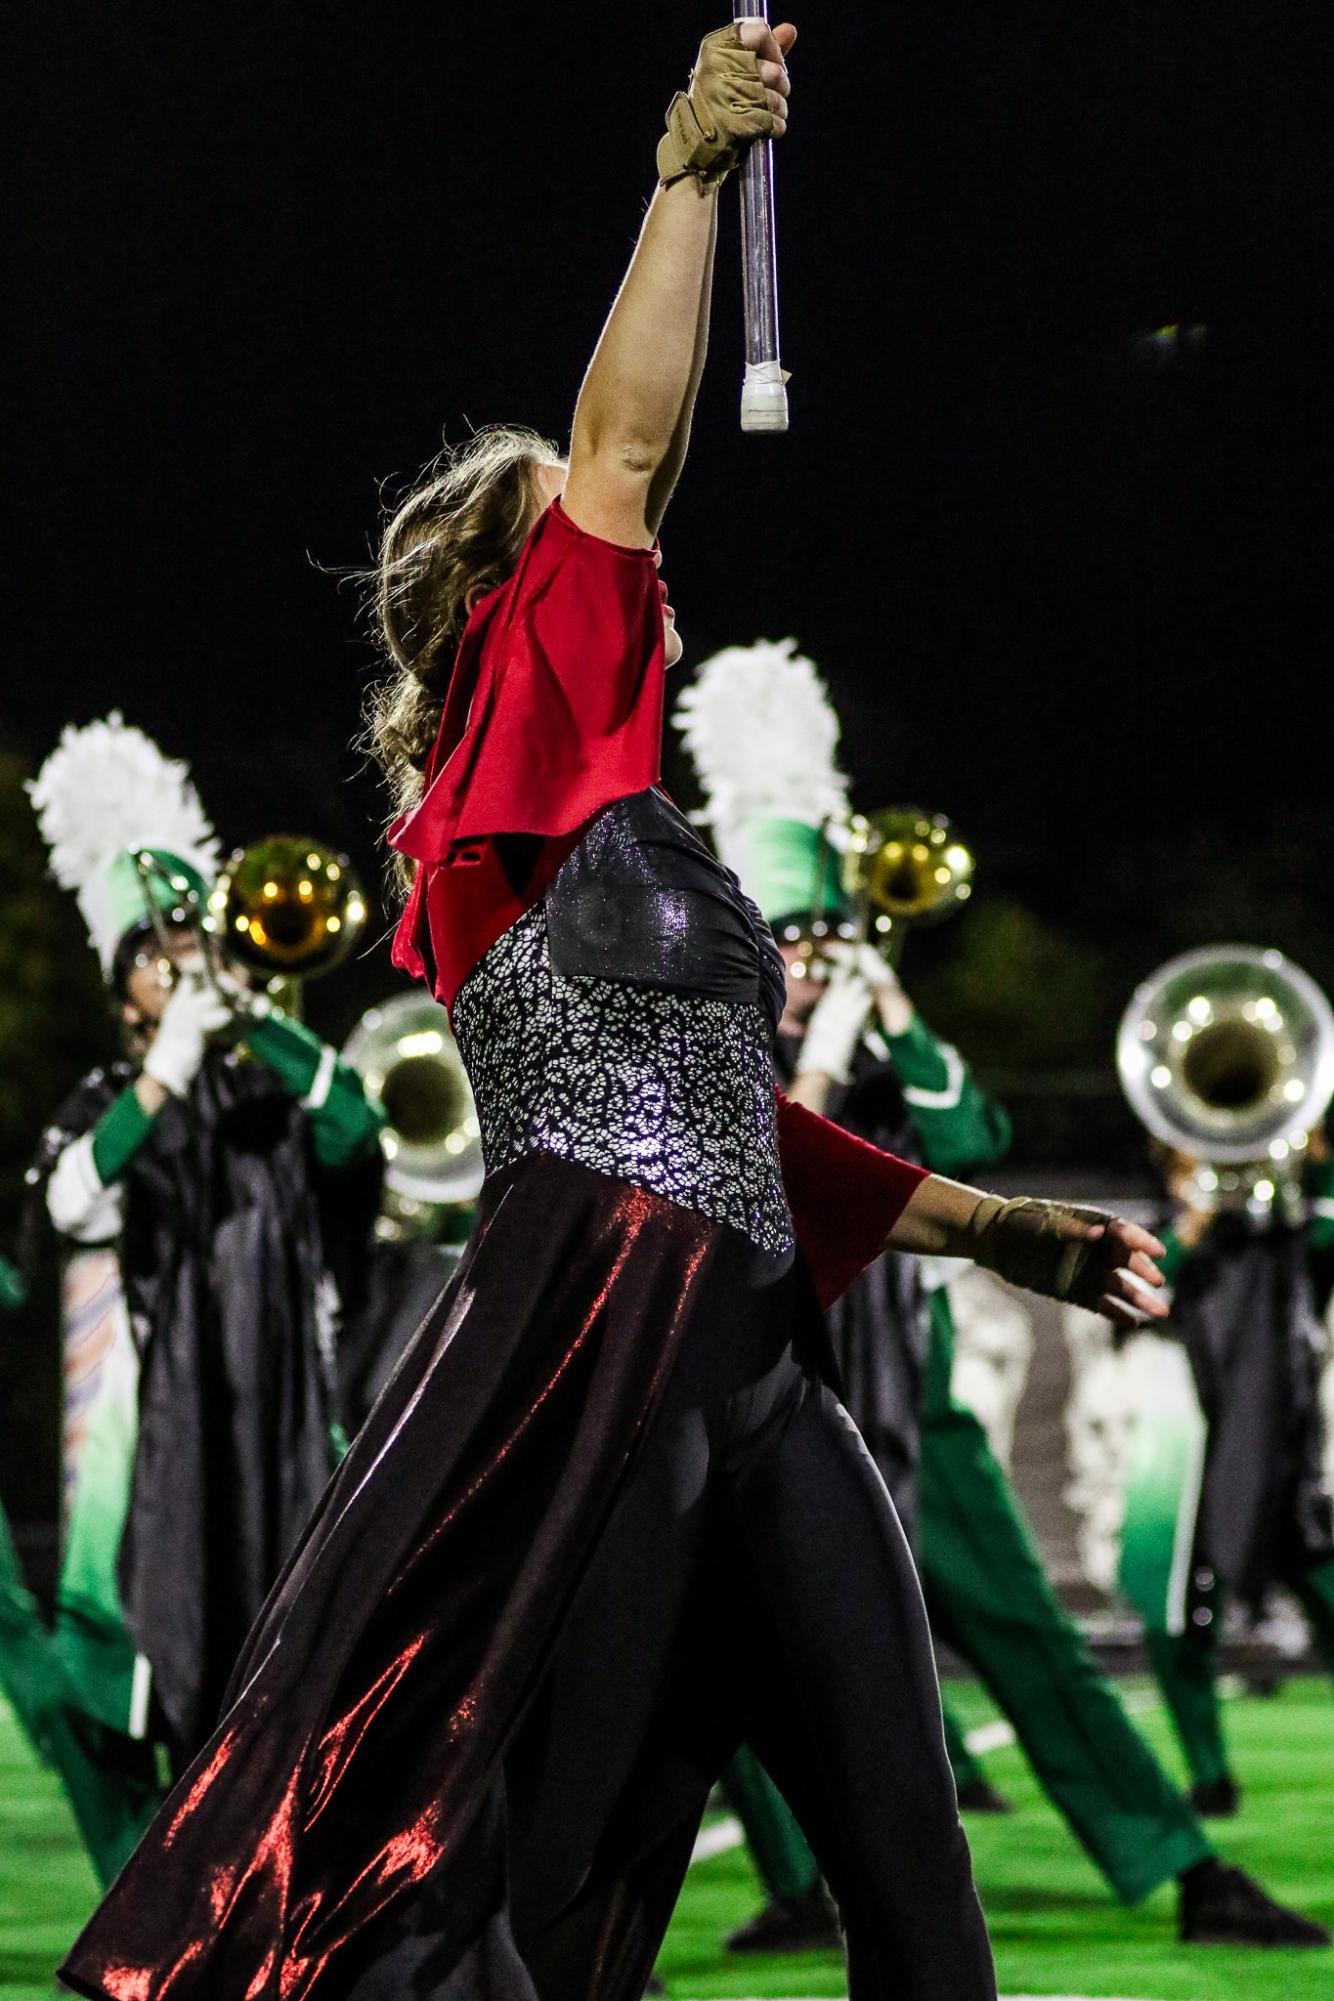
(626, 1021)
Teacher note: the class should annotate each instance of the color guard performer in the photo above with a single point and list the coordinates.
(472, 1735)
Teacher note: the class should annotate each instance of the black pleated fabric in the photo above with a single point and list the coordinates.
(230, 1228)
(643, 900)
(1245, 1313)
(879, 1329)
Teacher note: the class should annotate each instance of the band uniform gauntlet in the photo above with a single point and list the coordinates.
(1030, 1243)
(723, 108)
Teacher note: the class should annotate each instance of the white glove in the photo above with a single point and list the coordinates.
(891, 1003)
(874, 968)
(836, 1025)
(194, 1012)
(237, 991)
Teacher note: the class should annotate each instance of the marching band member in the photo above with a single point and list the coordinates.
(1248, 1294)
(206, 1189)
(763, 735)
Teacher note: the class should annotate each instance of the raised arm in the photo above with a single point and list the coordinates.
(83, 1195)
(632, 420)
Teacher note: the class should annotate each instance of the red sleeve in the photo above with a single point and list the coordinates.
(555, 705)
(554, 711)
(845, 1195)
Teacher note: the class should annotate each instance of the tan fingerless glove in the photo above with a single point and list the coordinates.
(711, 122)
(1024, 1241)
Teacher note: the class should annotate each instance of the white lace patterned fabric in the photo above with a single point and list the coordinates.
(673, 1092)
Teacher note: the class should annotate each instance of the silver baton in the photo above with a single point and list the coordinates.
(764, 390)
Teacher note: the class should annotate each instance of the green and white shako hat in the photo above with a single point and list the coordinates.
(104, 795)
(793, 871)
(763, 736)
(175, 886)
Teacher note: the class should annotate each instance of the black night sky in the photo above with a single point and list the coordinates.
(1070, 588)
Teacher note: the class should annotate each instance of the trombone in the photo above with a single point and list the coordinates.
(286, 908)
(901, 868)
(905, 868)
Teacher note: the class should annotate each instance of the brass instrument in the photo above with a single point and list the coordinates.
(185, 913)
(901, 868)
(1227, 1055)
(904, 868)
(288, 907)
(410, 1063)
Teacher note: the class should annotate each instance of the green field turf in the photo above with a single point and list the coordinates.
(1055, 1929)
(46, 1885)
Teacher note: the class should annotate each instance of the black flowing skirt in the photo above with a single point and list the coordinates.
(359, 1764)
(607, 1517)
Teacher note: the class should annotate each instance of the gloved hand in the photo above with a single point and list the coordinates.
(737, 93)
(195, 1012)
(237, 991)
(836, 1024)
(874, 968)
(1081, 1255)
(860, 956)
(892, 1004)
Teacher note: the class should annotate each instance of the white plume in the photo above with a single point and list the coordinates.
(105, 788)
(758, 722)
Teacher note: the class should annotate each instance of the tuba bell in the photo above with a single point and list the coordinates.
(1227, 1054)
(410, 1064)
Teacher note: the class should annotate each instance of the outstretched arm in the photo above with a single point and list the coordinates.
(850, 1201)
(632, 420)
(1081, 1255)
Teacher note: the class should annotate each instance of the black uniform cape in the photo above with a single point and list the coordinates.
(1245, 1313)
(879, 1330)
(230, 1230)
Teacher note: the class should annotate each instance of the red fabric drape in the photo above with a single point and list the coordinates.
(554, 711)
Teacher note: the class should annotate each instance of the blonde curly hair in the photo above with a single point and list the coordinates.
(458, 535)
